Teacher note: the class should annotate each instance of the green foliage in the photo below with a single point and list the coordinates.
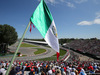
(39, 51)
(27, 45)
(11, 53)
(62, 52)
(8, 34)
(68, 40)
(65, 40)
(52, 58)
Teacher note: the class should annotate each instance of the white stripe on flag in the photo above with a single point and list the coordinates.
(52, 39)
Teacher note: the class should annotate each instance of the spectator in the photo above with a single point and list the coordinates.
(58, 72)
(73, 72)
(2, 70)
(13, 71)
(50, 71)
(32, 72)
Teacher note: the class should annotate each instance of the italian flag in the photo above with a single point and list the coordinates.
(43, 21)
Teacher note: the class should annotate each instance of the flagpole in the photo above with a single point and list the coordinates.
(13, 58)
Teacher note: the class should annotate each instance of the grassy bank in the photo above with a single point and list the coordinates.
(39, 51)
(27, 45)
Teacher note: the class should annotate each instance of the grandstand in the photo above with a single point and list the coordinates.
(87, 47)
(50, 67)
(68, 65)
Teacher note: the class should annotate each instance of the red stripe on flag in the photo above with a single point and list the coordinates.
(30, 27)
(33, 26)
(57, 56)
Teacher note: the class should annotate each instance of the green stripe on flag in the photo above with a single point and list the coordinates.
(42, 18)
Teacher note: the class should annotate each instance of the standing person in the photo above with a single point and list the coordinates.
(82, 72)
(13, 71)
(39, 69)
(68, 71)
(2, 70)
(50, 71)
(58, 72)
(21, 71)
(17, 68)
(95, 67)
(44, 69)
(73, 72)
(91, 69)
(32, 72)
(76, 72)
(62, 69)
(27, 68)
(42, 73)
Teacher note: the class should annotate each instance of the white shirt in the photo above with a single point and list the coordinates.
(73, 73)
(2, 70)
(50, 72)
(82, 70)
(4, 64)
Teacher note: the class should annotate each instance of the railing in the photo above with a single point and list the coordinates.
(67, 55)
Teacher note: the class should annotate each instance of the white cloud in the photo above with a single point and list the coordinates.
(84, 23)
(50, 1)
(98, 15)
(70, 4)
(80, 1)
(97, 21)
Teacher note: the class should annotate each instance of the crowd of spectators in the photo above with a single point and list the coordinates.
(73, 66)
(83, 45)
(50, 68)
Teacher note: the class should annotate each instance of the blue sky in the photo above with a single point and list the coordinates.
(73, 18)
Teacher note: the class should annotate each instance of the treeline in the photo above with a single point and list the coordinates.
(8, 36)
(63, 40)
(34, 39)
(68, 40)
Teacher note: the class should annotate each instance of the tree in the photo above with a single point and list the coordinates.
(8, 36)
